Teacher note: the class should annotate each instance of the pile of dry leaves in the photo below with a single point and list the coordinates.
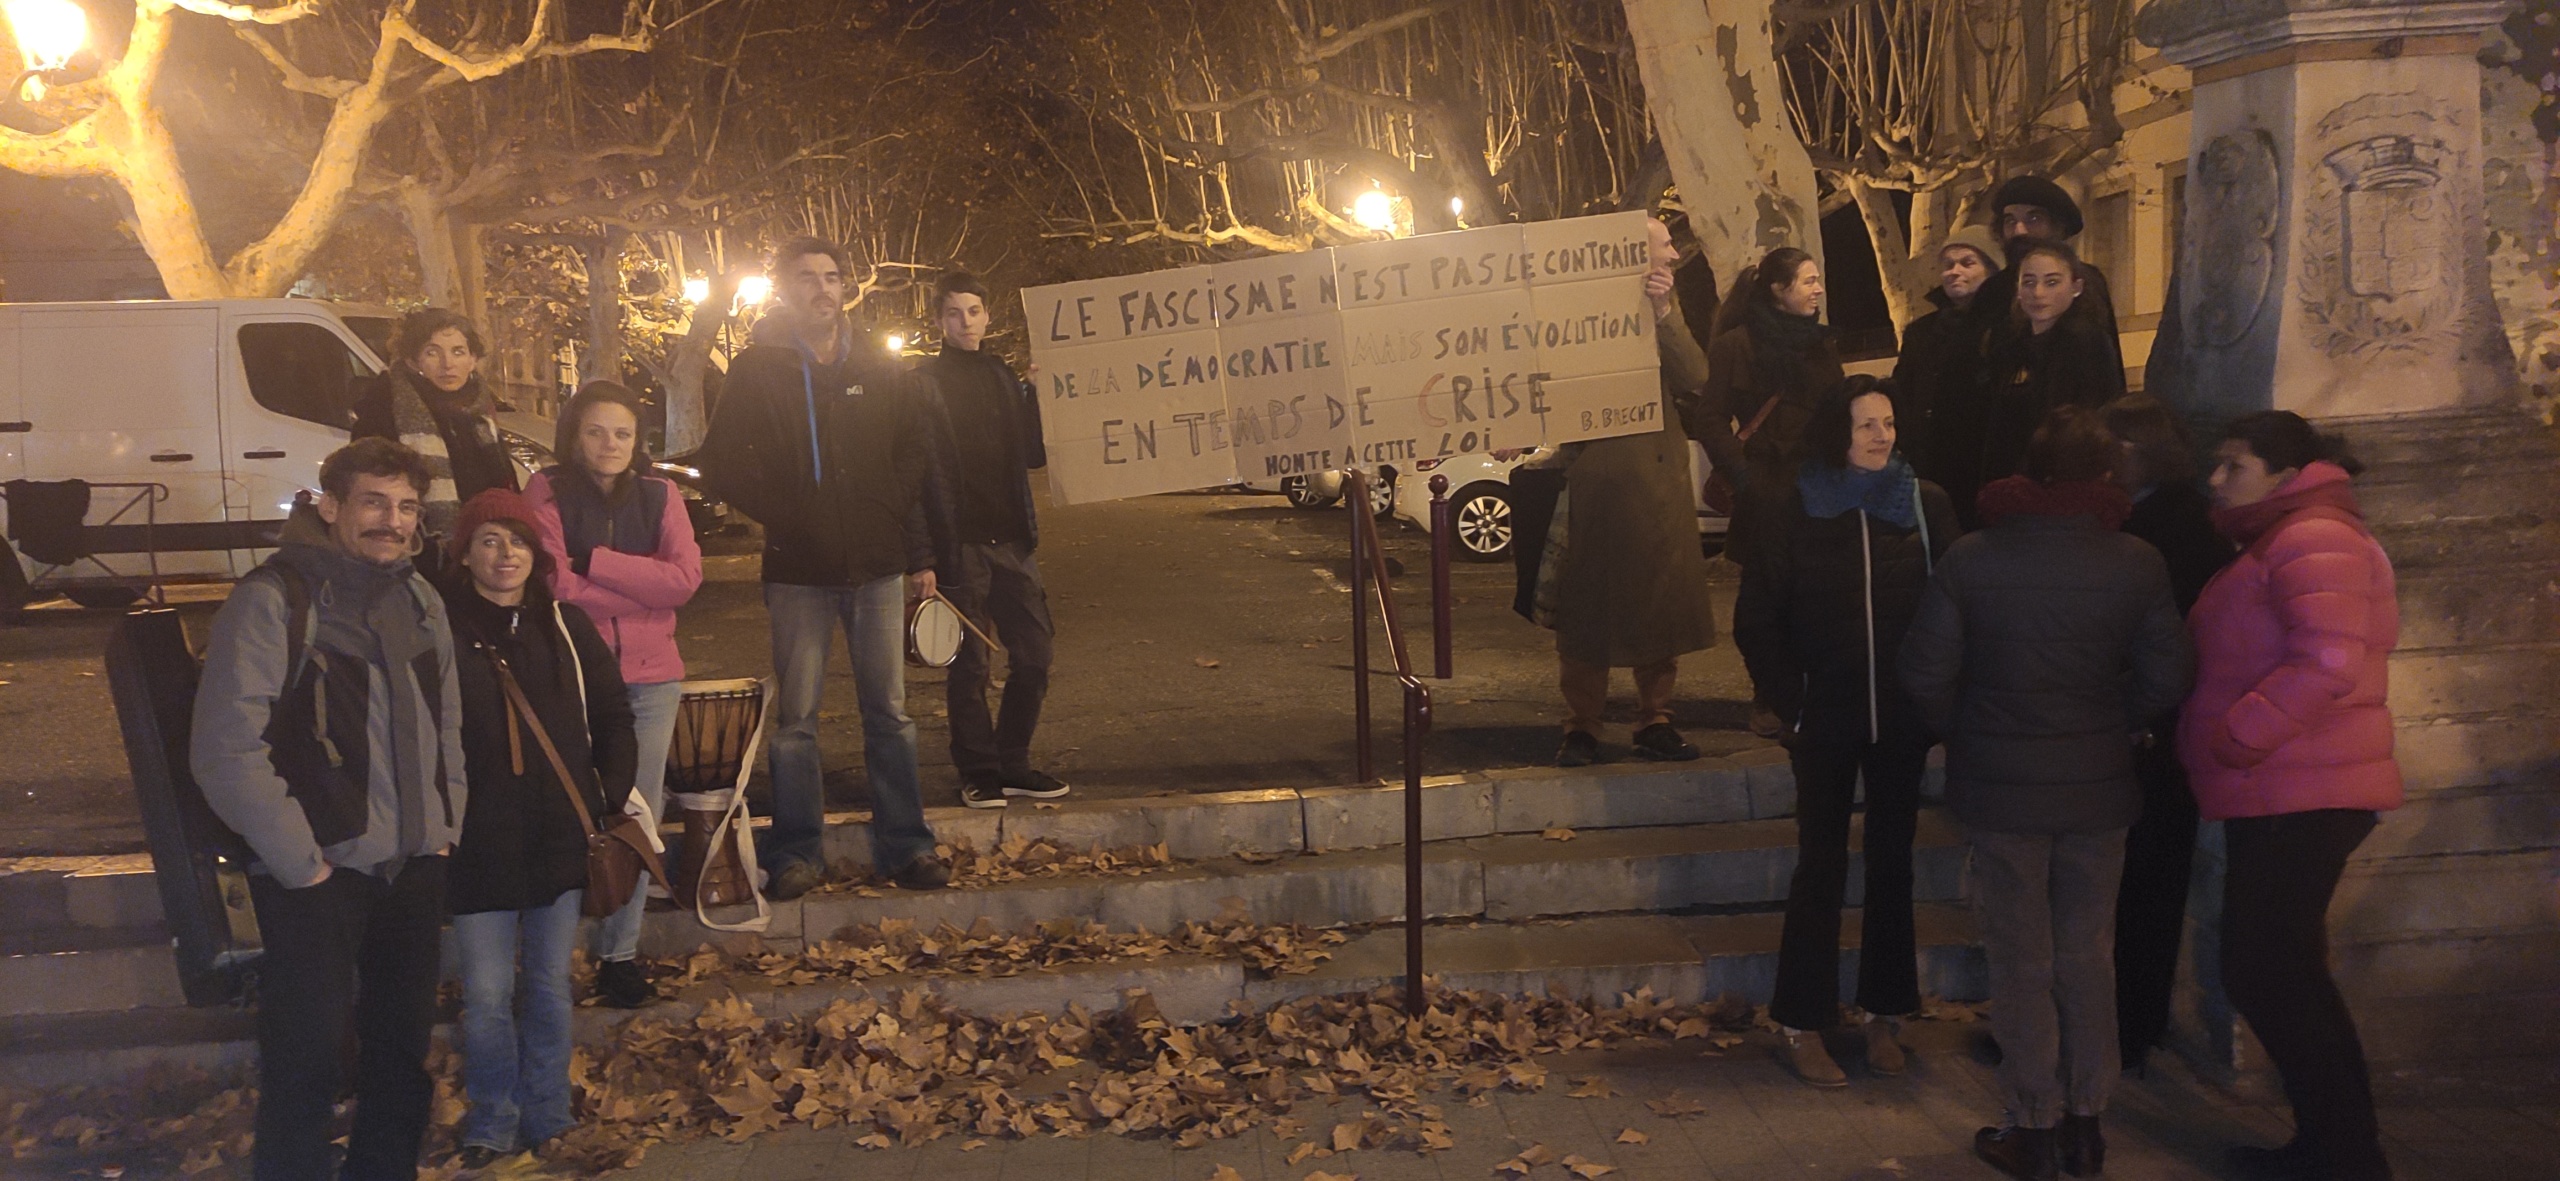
(899, 947)
(1020, 859)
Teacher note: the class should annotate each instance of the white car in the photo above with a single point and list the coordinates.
(1324, 489)
(1480, 501)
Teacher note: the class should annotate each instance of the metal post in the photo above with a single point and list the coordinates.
(1356, 491)
(1417, 722)
(1443, 524)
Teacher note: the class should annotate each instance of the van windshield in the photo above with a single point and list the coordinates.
(302, 370)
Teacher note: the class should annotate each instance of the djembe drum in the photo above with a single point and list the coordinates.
(719, 725)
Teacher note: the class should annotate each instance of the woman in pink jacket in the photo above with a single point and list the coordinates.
(2287, 739)
(622, 550)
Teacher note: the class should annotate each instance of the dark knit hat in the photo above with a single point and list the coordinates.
(2044, 195)
(496, 504)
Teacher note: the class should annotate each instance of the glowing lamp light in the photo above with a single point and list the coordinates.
(697, 290)
(754, 290)
(48, 32)
(1457, 207)
(1375, 212)
(897, 345)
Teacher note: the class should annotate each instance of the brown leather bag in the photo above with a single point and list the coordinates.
(616, 855)
(1718, 493)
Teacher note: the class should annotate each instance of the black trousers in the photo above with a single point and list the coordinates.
(353, 949)
(998, 588)
(2275, 966)
(2151, 907)
(1808, 995)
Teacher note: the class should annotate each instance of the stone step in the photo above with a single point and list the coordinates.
(2493, 537)
(2455, 607)
(1733, 865)
(2390, 897)
(2496, 818)
(44, 894)
(2387, 443)
(2457, 487)
(1686, 960)
(2511, 747)
(2470, 682)
(2378, 974)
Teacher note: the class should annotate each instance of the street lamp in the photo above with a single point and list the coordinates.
(897, 345)
(696, 290)
(1374, 211)
(754, 290)
(48, 32)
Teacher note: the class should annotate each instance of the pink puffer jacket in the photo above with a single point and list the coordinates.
(632, 597)
(2293, 646)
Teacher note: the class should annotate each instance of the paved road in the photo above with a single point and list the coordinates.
(1203, 646)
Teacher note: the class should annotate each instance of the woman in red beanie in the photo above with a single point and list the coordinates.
(2287, 740)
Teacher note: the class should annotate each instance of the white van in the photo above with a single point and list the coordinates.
(212, 413)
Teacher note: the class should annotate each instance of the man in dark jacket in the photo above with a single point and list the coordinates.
(1940, 372)
(2043, 646)
(328, 735)
(990, 441)
(828, 445)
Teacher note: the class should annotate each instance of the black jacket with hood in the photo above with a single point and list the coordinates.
(850, 508)
(522, 845)
(956, 377)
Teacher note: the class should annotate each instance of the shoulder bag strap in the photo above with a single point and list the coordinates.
(542, 738)
(1753, 427)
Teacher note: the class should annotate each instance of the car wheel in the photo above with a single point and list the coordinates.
(1303, 495)
(103, 598)
(1382, 493)
(1480, 516)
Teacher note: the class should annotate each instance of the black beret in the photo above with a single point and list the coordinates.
(2044, 195)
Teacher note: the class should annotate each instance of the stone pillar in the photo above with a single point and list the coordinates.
(2333, 258)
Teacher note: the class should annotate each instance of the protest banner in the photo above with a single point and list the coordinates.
(1131, 398)
(1280, 333)
(1377, 354)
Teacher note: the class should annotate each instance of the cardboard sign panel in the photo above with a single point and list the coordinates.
(1281, 348)
(1594, 326)
(1132, 396)
(1442, 361)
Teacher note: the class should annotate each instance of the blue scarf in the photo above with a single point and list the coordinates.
(1889, 494)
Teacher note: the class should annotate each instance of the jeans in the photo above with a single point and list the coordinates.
(999, 585)
(1808, 995)
(653, 723)
(515, 1022)
(804, 622)
(2047, 904)
(2275, 967)
(2151, 910)
(358, 950)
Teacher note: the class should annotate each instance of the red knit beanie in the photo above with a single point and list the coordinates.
(496, 504)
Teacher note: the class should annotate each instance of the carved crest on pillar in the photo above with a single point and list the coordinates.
(2382, 242)
(2232, 249)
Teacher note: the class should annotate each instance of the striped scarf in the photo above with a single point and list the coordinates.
(420, 432)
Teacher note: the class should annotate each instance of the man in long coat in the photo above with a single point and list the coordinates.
(1631, 590)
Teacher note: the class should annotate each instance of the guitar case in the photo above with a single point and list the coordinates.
(202, 866)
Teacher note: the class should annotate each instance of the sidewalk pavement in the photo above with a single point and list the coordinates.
(1757, 1124)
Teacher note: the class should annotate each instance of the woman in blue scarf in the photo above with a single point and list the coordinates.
(1838, 565)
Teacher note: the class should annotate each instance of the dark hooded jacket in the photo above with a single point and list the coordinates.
(849, 508)
(522, 845)
(2029, 374)
(1740, 381)
(1939, 376)
(345, 749)
(1823, 607)
(2044, 642)
(988, 424)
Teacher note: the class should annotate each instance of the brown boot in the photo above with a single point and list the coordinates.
(2023, 1153)
(1811, 1062)
(1884, 1054)
(2082, 1146)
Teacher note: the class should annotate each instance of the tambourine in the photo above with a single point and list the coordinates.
(933, 633)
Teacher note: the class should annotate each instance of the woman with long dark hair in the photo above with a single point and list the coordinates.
(2053, 351)
(432, 401)
(2288, 741)
(519, 872)
(620, 547)
(1771, 363)
(1822, 612)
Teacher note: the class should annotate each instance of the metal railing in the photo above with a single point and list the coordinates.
(1369, 569)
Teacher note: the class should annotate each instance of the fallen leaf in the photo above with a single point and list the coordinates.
(1321, 1175)
(1529, 1158)
(1304, 1150)
(1594, 1087)
(1226, 1173)
(1205, 661)
(1675, 1105)
(972, 1145)
(1346, 1137)
(1632, 1136)
(1587, 1169)
(1558, 834)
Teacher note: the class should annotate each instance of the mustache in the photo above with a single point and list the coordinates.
(386, 535)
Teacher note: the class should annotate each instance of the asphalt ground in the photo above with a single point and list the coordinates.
(1203, 645)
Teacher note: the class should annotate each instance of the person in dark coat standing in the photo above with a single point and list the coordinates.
(432, 401)
(520, 870)
(1772, 362)
(2043, 646)
(1822, 611)
(2157, 469)
(1630, 589)
(2029, 209)
(830, 447)
(1939, 373)
(2054, 352)
(990, 443)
